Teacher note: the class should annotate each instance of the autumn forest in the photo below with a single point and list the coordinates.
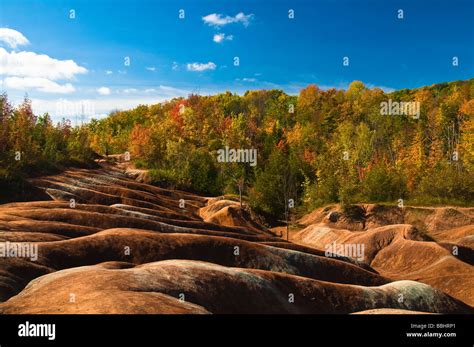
(314, 148)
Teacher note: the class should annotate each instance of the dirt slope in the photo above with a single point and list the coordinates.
(440, 256)
(110, 244)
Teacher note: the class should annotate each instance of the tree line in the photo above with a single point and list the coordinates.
(314, 148)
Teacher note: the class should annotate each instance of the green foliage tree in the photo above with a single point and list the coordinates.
(318, 147)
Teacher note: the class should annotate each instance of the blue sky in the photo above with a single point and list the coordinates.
(62, 61)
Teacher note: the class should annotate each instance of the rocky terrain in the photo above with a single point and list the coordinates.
(425, 244)
(110, 243)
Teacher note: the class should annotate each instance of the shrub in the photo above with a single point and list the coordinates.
(383, 184)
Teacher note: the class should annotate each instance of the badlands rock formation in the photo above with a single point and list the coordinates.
(108, 243)
(429, 245)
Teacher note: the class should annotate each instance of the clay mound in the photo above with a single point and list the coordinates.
(368, 216)
(154, 212)
(139, 175)
(59, 218)
(140, 247)
(21, 236)
(15, 274)
(318, 215)
(215, 205)
(122, 196)
(157, 287)
(229, 213)
(322, 236)
(108, 187)
(401, 252)
(129, 247)
(314, 251)
(462, 236)
(440, 218)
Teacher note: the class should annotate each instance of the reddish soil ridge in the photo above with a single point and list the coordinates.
(110, 244)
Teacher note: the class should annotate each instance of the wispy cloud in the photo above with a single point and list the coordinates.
(12, 38)
(42, 84)
(218, 20)
(130, 90)
(167, 90)
(98, 107)
(201, 66)
(221, 37)
(246, 79)
(103, 91)
(151, 68)
(161, 90)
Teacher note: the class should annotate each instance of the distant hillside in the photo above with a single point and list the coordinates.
(283, 153)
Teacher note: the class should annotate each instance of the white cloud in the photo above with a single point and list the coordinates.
(217, 20)
(12, 38)
(220, 37)
(103, 91)
(172, 91)
(42, 84)
(129, 90)
(175, 66)
(151, 68)
(160, 90)
(29, 70)
(201, 66)
(96, 108)
(109, 72)
(31, 64)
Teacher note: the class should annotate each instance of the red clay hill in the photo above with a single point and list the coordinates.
(108, 243)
